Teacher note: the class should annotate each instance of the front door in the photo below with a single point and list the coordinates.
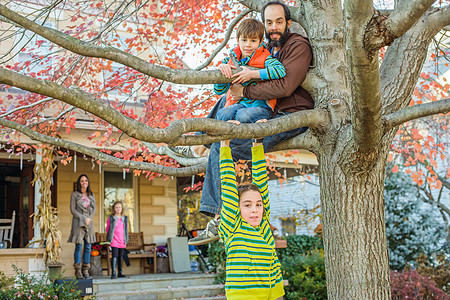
(26, 206)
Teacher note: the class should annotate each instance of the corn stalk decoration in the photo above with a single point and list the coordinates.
(46, 216)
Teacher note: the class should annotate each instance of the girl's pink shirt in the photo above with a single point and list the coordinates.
(119, 234)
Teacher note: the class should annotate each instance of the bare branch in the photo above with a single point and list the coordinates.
(257, 5)
(402, 65)
(178, 76)
(103, 157)
(364, 75)
(107, 52)
(313, 118)
(25, 107)
(438, 19)
(171, 134)
(414, 112)
(405, 15)
(303, 141)
(225, 40)
(430, 199)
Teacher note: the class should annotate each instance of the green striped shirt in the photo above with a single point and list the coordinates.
(253, 269)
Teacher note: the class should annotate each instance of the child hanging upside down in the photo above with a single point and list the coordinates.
(253, 270)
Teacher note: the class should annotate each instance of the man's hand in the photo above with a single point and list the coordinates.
(88, 221)
(226, 70)
(245, 75)
(237, 92)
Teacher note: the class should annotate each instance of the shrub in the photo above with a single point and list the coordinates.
(437, 270)
(413, 226)
(409, 284)
(30, 287)
(306, 275)
(217, 257)
(299, 244)
(5, 281)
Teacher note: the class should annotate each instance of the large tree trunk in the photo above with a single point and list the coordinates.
(356, 255)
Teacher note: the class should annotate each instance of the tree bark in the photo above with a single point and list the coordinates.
(352, 203)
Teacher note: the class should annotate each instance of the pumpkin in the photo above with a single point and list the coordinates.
(95, 253)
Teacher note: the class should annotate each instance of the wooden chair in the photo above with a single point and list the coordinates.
(7, 230)
(137, 248)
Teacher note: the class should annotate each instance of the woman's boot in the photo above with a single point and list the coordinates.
(78, 273)
(113, 267)
(85, 271)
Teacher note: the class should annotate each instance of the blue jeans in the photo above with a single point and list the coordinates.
(86, 253)
(243, 114)
(240, 149)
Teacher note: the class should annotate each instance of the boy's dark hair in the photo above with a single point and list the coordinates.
(250, 28)
(242, 188)
(88, 189)
(287, 12)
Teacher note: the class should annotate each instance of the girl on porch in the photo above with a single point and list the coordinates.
(117, 234)
(253, 270)
(82, 207)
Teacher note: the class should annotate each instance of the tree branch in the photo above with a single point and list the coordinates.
(414, 112)
(225, 40)
(171, 134)
(83, 48)
(24, 107)
(313, 118)
(363, 74)
(429, 199)
(438, 18)
(103, 157)
(405, 15)
(303, 141)
(257, 5)
(107, 52)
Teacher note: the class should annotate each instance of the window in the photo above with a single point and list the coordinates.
(288, 226)
(119, 187)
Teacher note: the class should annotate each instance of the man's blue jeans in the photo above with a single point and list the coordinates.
(244, 114)
(86, 253)
(240, 149)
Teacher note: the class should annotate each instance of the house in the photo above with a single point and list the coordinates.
(150, 204)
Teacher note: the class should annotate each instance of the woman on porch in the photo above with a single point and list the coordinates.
(82, 207)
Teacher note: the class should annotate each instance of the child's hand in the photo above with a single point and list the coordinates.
(226, 143)
(261, 121)
(245, 75)
(226, 70)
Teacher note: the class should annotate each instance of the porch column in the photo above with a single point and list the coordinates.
(37, 197)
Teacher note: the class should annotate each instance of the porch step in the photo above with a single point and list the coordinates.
(158, 287)
(193, 292)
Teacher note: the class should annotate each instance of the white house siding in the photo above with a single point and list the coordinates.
(292, 196)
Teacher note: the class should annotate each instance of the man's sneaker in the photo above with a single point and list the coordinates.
(183, 151)
(208, 235)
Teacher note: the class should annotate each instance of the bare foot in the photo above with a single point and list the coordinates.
(261, 121)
